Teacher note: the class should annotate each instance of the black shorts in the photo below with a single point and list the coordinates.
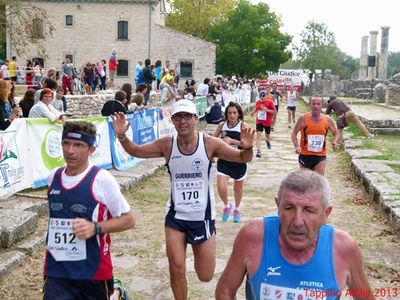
(196, 231)
(62, 288)
(233, 170)
(310, 161)
(292, 108)
(262, 127)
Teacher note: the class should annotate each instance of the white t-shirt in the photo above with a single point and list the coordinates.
(4, 70)
(202, 90)
(105, 189)
(41, 110)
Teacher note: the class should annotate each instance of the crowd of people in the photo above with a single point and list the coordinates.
(86, 205)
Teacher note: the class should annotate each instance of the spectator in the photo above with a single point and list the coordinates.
(44, 109)
(28, 74)
(158, 70)
(27, 102)
(112, 67)
(168, 94)
(202, 90)
(59, 102)
(127, 88)
(67, 71)
(116, 105)
(214, 113)
(5, 117)
(102, 70)
(12, 69)
(139, 73)
(37, 74)
(4, 70)
(148, 78)
(50, 84)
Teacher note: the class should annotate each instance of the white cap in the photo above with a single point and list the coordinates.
(114, 51)
(184, 105)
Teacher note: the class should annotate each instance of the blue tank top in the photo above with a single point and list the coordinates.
(79, 202)
(276, 278)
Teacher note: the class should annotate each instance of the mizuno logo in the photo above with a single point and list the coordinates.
(273, 272)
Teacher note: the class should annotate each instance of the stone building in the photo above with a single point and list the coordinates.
(87, 30)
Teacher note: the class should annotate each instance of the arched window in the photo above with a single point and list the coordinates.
(37, 29)
(123, 67)
(122, 30)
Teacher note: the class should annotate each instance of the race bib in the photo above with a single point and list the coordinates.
(262, 115)
(62, 242)
(189, 195)
(315, 142)
(272, 292)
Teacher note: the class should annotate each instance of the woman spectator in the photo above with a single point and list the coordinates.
(127, 88)
(36, 73)
(158, 73)
(141, 89)
(5, 118)
(102, 70)
(28, 73)
(88, 77)
(27, 102)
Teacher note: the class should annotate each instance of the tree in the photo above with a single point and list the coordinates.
(196, 17)
(393, 63)
(249, 41)
(26, 25)
(318, 50)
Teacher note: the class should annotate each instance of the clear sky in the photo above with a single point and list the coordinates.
(349, 20)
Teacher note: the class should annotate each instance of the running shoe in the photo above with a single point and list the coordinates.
(268, 144)
(226, 212)
(236, 216)
(118, 286)
(258, 154)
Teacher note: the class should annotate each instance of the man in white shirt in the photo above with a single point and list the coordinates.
(202, 89)
(44, 109)
(4, 70)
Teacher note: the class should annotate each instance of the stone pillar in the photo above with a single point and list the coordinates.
(383, 57)
(363, 70)
(372, 53)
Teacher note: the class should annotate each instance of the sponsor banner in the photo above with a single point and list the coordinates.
(45, 146)
(143, 129)
(284, 78)
(15, 159)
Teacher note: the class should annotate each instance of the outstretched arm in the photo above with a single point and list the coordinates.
(158, 148)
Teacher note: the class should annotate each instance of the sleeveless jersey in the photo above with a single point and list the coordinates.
(313, 136)
(66, 205)
(276, 278)
(233, 133)
(192, 194)
(291, 98)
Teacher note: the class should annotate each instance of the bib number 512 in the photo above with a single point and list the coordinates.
(64, 238)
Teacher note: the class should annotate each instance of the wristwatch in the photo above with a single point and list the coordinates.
(97, 228)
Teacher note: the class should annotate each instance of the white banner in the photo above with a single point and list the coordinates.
(15, 159)
(45, 147)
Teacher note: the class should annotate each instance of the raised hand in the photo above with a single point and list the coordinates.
(246, 138)
(119, 123)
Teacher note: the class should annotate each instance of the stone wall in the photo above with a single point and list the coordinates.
(94, 34)
(80, 106)
(393, 95)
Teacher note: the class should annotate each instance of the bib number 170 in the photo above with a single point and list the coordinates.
(186, 196)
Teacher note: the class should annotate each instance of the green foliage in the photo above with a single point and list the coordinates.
(393, 63)
(249, 41)
(17, 18)
(196, 17)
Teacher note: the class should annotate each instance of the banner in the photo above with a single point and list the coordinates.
(45, 147)
(284, 78)
(15, 159)
(201, 105)
(143, 129)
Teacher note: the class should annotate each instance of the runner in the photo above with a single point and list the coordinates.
(277, 95)
(314, 128)
(265, 110)
(230, 134)
(85, 205)
(190, 212)
(292, 96)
